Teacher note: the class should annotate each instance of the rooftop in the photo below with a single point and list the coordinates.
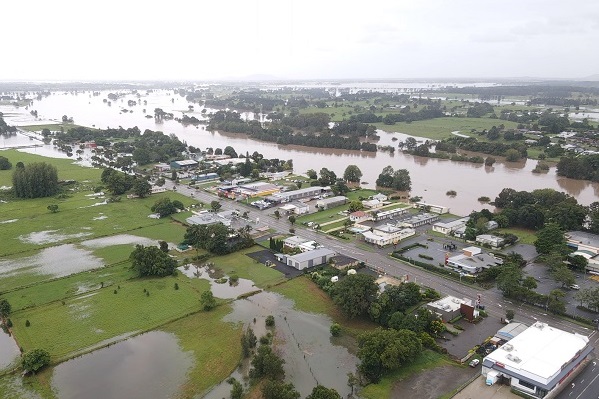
(581, 237)
(453, 223)
(449, 303)
(539, 352)
(317, 253)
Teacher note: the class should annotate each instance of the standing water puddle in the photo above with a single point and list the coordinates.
(220, 290)
(147, 366)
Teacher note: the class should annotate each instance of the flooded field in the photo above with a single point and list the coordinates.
(151, 365)
(9, 351)
(62, 260)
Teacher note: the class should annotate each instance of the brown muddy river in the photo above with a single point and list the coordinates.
(431, 178)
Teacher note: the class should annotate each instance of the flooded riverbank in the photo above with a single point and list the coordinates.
(431, 178)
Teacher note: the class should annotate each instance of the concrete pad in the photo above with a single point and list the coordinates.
(477, 389)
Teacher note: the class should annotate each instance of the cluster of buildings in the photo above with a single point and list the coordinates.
(472, 260)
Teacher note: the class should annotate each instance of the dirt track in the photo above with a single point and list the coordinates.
(433, 383)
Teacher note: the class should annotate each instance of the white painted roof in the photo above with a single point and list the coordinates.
(539, 351)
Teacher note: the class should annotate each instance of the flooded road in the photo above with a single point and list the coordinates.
(150, 365)
(431, 178)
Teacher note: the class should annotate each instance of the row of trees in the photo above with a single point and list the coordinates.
(396, 179)
(35, 180)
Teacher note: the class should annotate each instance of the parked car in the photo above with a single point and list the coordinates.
(575, 287)
(474, 363)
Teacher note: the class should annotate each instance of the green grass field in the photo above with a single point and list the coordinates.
(245, 267)
(215, 345)
(525, 236)
(441, 128)
(308, 297)
(50, 126)
(88, 319)
(427, 360)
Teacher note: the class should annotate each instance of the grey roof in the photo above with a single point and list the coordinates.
(584, 238)
(316, 253)
(511, 330)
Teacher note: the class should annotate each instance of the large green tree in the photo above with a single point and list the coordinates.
(266, 363)
(384, 350)
(35, 180)
(165, 207)
(151, 261)
(213, 238)
(354, 294)
(322, 392)
(5, 308)
(550, 237)
(5, 163)
(34, 360)
(273, 389)
(352, 174)
(142, 188)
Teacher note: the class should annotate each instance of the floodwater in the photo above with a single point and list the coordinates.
(151, 365)
(66, 259)
(9, 351)
(302, 339)
(220, 290)
(431, 178)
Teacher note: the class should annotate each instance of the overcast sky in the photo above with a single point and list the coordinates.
(177, 39)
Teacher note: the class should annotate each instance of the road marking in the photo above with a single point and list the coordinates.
(585, 388)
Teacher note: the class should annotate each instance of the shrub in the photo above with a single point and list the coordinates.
(27, 323)
(270, 321)
(176, 286)
(425, 257)
(451, 193)
(335, 330)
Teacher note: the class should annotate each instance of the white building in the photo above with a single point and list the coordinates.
(537, 360)
(431, 207)
(449, 227)
(449, 308)
(328, 203)
(387, 234)
(379, 196)
(372, 204)
(472, 260)
(420, 220)
(304, 260)
(294, 242)
(586, 245)
(490, 239)
(389, 214)
(295, 207)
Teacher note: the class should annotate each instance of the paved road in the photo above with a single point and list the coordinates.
(585, 385)
(492, 299)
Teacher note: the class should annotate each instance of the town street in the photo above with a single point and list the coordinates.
(495, 304)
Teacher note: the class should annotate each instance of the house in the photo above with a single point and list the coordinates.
(293, 242)
(387, 234)
(491, 240)
(450, 227)
(449, 308)
(390, 214)
(379, 197)
(275, 175)
(327, 203)
(162, 167)
(308, 259)
(207, 218)
(185, 164)
(372, 204)
(359, 216)
(472, 260)
(538, 360)
(419, 220)
(309, 246)
(156, 190)
(432, 208)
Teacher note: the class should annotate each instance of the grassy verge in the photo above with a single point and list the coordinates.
(50, 126)
(525, 236)
(427, 360)
(215, 345)
(245, 267)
